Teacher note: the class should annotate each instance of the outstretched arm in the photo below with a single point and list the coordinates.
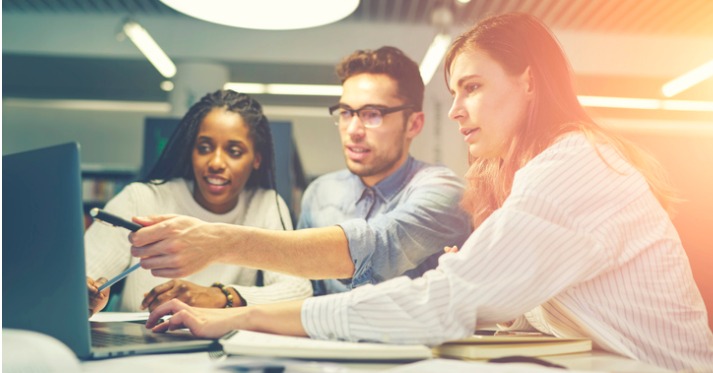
(177, 246)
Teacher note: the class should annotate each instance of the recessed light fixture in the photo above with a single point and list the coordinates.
(645, 103)
(285, 89)
(688, 79)
(167, 86)
(266, 14)
(442, 20)
(432, 59)
(148, 46)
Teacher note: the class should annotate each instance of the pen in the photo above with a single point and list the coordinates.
(113, 219)
(120, 276)
(117, 222)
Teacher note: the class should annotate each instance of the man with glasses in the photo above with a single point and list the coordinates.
(397, 213)
(385, 216)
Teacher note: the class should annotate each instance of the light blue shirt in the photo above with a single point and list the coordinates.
(397, 227)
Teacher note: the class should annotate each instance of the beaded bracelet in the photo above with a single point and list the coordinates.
(225, 291)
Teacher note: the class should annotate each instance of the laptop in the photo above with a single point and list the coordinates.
(43, 270)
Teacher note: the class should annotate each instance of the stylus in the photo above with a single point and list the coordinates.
(120, 276)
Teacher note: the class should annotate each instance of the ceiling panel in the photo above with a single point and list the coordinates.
(670, 17)
(36, 75)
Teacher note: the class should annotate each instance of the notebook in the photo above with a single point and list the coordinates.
(478, 347)
(43, 269)
(249, 343)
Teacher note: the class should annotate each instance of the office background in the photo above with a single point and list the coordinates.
(67, 77)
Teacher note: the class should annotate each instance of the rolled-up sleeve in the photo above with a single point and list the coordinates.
(423, 221)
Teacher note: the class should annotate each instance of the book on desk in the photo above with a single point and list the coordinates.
(472, 348)
(478, 347)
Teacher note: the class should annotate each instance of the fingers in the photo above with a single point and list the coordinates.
(450, 249)
(153, 295)
(182, 319)
(101, 281)
(152, 219)
(170, 272)
(165, 266)
(171, 307)
(93, 286)
(97, 300)
(197, 324)
(152, 231)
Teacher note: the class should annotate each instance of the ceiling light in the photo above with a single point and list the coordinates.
(266, 14)
(286, 89)
(645, 103)
(433, 56)
(442, 20)
(167, 86)
(688, 79)
(141, 38)
(620, 102)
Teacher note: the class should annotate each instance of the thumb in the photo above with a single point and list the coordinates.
(151, 219)
(101, 281)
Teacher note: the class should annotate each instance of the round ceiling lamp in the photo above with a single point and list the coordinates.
(266, 14)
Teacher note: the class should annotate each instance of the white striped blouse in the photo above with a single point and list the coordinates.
(581, 247)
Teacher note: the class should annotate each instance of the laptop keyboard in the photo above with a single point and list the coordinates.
(100, 339)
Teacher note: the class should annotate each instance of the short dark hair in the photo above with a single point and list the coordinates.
(389, 61)
(176, 158)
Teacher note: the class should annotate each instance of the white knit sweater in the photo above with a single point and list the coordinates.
(107, 248)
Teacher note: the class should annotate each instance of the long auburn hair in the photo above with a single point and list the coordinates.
(517, 41)
(175, 160)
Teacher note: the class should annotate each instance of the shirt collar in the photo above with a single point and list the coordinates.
(393, 183)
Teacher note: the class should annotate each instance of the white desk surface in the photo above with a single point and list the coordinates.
(597, 361)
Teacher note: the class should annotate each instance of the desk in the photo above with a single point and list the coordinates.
(200, 362)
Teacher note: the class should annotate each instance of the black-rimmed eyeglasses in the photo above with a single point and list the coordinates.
(370, 116)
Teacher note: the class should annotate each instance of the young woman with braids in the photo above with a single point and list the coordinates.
(218, 166)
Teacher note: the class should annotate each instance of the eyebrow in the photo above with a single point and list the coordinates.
(463, 79)
(230, 142)
(375, 106)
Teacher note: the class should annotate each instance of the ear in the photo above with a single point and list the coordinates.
(528, 81)
(257, 161)
(414, 125)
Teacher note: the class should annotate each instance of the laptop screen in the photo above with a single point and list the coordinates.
(44, 281)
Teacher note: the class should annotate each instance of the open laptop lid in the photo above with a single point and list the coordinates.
(43, 267)
(44, 281)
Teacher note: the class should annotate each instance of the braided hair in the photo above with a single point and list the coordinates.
(176, 159)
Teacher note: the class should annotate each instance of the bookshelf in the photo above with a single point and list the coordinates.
(100, 183)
